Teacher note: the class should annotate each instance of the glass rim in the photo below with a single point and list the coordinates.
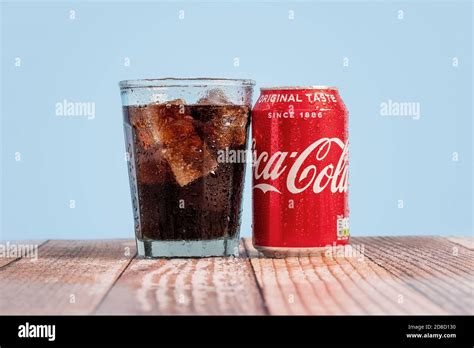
(184, 82)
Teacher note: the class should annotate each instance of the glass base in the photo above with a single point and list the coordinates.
(188, 248)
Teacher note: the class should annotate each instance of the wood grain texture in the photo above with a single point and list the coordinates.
(467, 242)
(11, 251)
(432, 266)
(335, 283)
(377, 275)
(185, 286)
(69, 277)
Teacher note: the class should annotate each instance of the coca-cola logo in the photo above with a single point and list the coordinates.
(299, 178)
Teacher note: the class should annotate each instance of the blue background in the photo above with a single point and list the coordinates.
(82, 59)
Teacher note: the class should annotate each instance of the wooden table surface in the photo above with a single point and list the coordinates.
(378, 275)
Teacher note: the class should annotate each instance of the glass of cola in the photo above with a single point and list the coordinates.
(184, 144)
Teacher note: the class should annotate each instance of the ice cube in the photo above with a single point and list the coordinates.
(144, 118)
(169, 127)
(141, 119)
(214, 96)
(227, 128)
(178, 101)
(186, 154)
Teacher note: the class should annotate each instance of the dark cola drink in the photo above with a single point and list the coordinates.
(184, 193)
(186, 189)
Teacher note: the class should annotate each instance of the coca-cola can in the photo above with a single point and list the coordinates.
(300, 170)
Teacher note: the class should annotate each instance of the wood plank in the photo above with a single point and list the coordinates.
(185, 286)
(467, 242)
(432, 266)
(331, 283)
(69, 277)
(13, 250)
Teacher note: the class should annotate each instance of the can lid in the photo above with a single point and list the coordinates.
(297, 87)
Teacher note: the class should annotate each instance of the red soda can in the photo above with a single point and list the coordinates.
(300, 170)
